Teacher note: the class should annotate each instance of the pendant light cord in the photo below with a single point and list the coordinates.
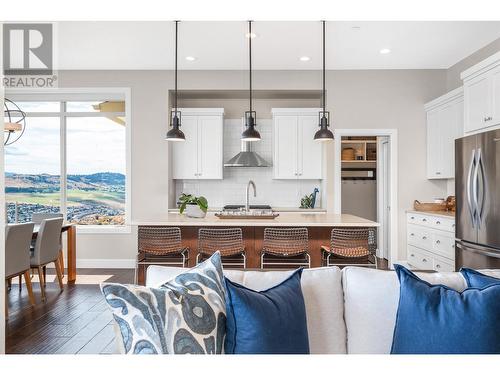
(176, 35)
(324, 73)
(250, 60)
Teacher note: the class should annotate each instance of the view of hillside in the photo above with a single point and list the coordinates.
(92, 199)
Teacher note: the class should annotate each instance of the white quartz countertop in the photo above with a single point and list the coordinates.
(284, 219)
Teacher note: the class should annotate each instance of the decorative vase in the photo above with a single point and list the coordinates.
(193, 210)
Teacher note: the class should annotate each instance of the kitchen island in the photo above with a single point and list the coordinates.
(319, 226)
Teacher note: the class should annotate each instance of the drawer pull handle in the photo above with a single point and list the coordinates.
(438, 266)
(438, 242)
(424, 260)
(438, 222)
(424, 219)
(412, 234)
(424, 238)
(412, 255)
(453, 225)
(412, 217)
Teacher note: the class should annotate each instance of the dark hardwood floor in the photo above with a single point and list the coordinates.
(75, 320)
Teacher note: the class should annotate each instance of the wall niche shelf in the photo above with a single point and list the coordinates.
(359, 150)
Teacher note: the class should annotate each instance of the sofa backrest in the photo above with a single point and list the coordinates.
(323, 297)
(350, 311)
(371, 299)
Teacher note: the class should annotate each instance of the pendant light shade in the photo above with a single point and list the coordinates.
(250, 134)
(175, 134)
(324, 134)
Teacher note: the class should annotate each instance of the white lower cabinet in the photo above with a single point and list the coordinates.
(430, 242)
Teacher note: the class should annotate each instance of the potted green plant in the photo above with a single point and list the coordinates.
(193, 206)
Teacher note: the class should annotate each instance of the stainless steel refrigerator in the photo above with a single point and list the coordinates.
(477, 189)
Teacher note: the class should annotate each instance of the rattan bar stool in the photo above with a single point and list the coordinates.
(351, 247)
(228, 241)
(160, 246)
(285, 247)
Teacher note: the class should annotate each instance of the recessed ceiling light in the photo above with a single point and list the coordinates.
(356, 28)
(385, 51)
(190, 58)
(304, 58)
(251, 35)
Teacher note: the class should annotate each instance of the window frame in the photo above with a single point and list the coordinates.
(63, 95)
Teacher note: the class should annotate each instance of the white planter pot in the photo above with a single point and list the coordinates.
(192, 210)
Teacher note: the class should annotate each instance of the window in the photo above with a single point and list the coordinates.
(72, 159)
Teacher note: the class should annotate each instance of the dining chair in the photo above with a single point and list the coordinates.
(160, 246)
(351, 247)
(285, 247)
(229, 242)
(17, 255)
(47, 250)
(37, 218)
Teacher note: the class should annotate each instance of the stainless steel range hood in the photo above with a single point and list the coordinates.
(247, 158)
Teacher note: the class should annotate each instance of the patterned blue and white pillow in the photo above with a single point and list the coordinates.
(185, 315)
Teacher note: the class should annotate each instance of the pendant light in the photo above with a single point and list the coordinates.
(324, 134)
(250, 134)
(14, 122)
(175, 134)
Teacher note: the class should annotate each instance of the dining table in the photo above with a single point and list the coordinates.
(70, 229)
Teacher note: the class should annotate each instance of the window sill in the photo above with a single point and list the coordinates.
(103, 229)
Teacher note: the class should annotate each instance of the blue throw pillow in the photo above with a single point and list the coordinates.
(269, 322)
(434, 319)
(477, 279)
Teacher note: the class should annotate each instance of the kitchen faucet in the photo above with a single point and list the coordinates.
(250, 182)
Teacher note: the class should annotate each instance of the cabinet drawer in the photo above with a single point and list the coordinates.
(442, 223)
(419, 258)
(429, 221)
(443, 245)
(443, 265)
(420, 237)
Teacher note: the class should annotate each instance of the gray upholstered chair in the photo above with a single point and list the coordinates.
(37, 218)
(47, 250)
(17, 255)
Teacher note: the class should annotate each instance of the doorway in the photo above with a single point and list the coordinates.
(365, 184)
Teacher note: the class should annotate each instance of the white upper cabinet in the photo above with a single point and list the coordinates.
(444, 125)
(296, 154)
(482, 95)
(200, 155)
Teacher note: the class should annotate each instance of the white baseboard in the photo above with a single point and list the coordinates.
(105, 263)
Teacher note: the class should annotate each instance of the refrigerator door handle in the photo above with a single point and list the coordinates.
(482, 181)
(469, 188)
(475, 190)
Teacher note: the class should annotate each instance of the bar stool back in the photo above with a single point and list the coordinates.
(160, 246)
(229, 241)
(285, 247)
(351, 247)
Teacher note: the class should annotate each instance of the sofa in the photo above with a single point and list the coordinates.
(349, 311)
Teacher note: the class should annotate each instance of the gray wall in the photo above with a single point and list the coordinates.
(453, 80)
(356, 99)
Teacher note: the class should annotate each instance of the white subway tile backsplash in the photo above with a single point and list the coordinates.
(231, 190)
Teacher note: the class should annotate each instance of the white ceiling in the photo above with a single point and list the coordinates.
(278, 45)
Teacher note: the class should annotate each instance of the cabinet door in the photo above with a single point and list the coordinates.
(210, 147)
(310, 152)
(185, 154)
(495, 97)
(434, 152)
(285, 147)
(448, 125)
(477, 101)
